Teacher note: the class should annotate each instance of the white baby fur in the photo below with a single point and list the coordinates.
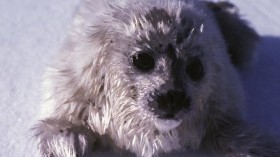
(90, 89)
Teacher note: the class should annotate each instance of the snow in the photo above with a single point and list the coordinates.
(32, 30)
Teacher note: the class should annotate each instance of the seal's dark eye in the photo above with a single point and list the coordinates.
(143, 61)
(195, 70)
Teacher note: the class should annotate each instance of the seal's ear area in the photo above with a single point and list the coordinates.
(240, 38)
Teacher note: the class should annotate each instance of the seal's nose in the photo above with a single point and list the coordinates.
(171, 103)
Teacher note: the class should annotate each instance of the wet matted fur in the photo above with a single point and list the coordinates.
(151, 77)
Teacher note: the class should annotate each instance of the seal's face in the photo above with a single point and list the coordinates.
(166, 60)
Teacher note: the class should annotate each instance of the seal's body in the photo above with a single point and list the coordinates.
(150, 77)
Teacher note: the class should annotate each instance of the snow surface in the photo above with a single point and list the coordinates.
(32, 30)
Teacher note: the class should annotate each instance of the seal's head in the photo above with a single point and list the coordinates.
(152, 72)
